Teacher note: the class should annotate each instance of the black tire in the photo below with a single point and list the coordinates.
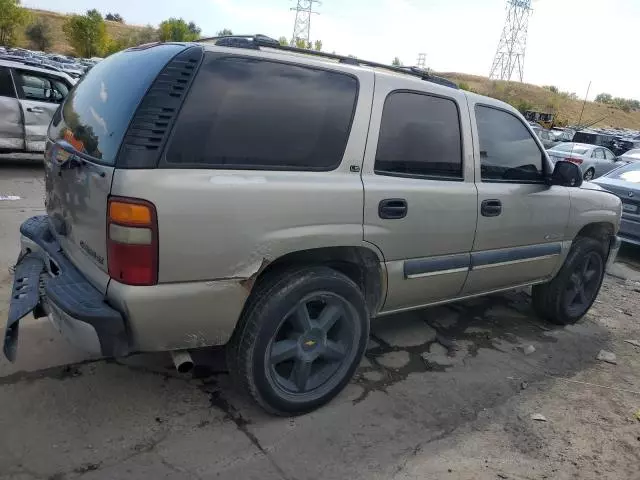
(589, 175)
(272, 319)
(552, 300)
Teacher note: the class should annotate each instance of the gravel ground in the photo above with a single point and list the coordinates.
(443, 393)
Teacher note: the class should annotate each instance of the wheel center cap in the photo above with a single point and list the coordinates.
(311, 340)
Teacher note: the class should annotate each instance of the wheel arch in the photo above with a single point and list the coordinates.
(597, 230)
(362, 264)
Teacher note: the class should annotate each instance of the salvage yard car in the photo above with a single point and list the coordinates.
(625, 183)
(593, 160)
(29, 95)
(274, 200)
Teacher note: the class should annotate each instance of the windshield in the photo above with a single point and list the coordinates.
(97, 112)
(628, 173)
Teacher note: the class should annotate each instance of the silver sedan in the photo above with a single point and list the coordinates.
(593, 160)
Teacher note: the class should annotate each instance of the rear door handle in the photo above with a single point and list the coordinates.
(35, 110)
(392, 208)
(491, 208)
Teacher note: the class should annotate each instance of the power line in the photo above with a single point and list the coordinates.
(302, 25)
(422, 60)
(513, 41)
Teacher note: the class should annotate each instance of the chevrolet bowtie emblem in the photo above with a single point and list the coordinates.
(309, 343)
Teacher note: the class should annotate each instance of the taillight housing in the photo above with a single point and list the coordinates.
(577, 161)
(132, 241)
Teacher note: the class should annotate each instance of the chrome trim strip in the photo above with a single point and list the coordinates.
(513, 262)
(439, 272)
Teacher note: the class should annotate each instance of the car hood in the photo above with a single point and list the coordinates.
(592, 186)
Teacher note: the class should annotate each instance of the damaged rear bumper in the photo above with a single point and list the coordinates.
(47, 283)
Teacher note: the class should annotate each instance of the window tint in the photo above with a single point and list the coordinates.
(6, 84)
(599, 154)
(609, 155)
(419, 135)
(40, 87)
(97, 112)
(508, 152)
(250, 113)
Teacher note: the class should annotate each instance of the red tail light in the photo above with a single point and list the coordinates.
(132, 241)
(577, 161)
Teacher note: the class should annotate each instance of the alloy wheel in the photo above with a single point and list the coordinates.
(583, 284)
(315, 340)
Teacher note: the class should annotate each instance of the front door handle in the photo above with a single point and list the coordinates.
(392, 208)
(491, 208)
(35, 110)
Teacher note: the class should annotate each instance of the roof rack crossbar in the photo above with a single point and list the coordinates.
(256, 41)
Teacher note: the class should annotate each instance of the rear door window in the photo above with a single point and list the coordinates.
(247, 113)
(97, 112)
(419, 136)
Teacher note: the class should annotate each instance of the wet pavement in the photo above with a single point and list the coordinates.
(430, 380)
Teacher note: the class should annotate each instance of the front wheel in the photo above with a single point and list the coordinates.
(588, 175)
(566, 298)
(300, 340)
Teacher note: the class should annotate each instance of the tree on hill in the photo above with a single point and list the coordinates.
(604, 98)
(12, 16)
(87, 34)
(224, 32)
(147, 35)
(114, 17)
(283, 41)
(177, 30)
(39, 33)
(302, 43)
(195, 30)
(396, 62)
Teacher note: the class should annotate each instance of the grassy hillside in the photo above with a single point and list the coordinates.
(60, 45)
(566, 109)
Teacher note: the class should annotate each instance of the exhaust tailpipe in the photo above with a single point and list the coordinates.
(182, 360)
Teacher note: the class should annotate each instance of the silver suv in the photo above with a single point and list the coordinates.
(236, 192)
(29, 96)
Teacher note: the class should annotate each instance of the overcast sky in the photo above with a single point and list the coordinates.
(570, 41)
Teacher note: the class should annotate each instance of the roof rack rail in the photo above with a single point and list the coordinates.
(254, 42)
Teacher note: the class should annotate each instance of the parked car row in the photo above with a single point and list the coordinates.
(74, 67)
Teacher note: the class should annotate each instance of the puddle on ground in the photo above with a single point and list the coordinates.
(475, 328)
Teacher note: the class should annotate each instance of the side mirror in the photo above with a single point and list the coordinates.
(566, 174)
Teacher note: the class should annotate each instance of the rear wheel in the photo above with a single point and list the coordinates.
(589, 174)
(300, 340)
(571, 293)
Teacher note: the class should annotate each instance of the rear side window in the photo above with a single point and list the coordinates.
(6, 84)
(508, 151)
(97, 112)
(244, 113)
(419, 136)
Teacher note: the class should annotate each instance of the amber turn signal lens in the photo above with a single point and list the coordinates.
(129, 213)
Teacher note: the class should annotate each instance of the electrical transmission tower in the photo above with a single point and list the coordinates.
(422, 60)
(302, 27)
(513, 42)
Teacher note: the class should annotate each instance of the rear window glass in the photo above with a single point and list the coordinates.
(97, 112)
(569, 148)
(246, 113)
